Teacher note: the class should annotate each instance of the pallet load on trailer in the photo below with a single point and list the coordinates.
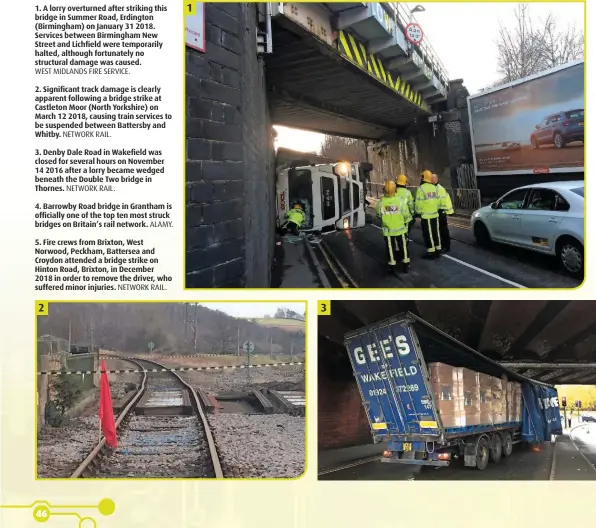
(431, 398)
(332, 195)
(529, 131)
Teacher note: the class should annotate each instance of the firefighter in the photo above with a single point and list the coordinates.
(294, 218)
(445, 208)
(402, 190)
(392, 210)
(427, 208)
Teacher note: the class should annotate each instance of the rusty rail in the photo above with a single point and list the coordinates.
(195, 401)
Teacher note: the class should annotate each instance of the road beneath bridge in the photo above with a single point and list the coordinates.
(571, 457)
(357, 258)
(363, 255)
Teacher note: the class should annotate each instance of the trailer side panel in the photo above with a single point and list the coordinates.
(391, 375)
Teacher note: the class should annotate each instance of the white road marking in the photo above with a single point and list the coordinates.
(506, 281)
(480, 270)
(360, 462)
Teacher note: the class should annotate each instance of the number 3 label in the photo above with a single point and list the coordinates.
(324, 308)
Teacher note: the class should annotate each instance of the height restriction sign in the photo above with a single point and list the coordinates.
(414, 33)
(195, 28)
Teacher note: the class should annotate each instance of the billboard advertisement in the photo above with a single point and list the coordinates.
(531, 126)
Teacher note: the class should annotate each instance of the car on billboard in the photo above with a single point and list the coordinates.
(547, 218)
(559, 129)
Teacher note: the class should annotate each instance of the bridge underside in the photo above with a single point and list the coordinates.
(312, 87)
(543, 340)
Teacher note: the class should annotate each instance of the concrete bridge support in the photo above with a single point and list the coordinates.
(443, 147)
(421, 149)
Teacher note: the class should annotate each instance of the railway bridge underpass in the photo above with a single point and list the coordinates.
(341, 69)
(550, 341)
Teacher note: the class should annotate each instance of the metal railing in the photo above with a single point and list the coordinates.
(465, 201)
(403, 17)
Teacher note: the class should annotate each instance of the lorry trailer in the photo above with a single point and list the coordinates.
(390, 361)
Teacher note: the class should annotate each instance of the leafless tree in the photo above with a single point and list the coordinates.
(534, 46)
(224, 336)
(129, 327)
(342, 148)
(561, 46)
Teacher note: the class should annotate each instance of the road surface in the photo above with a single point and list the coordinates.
(572, 457)
(362, 254)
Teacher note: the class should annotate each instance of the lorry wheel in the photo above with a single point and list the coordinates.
(496, 449)
(482, 454)
(507, 444)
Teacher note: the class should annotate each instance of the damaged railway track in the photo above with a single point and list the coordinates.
(163, 432)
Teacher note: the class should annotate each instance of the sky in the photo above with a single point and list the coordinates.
(253, 309)
(463, 36)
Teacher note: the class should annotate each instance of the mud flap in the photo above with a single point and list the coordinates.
(470, 452)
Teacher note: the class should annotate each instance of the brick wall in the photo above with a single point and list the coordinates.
(229, 208)
(342, 421)
(259, 163)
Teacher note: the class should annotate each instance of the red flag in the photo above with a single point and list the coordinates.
(106, 412)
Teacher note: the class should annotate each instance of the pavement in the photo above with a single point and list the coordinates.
(576, 453)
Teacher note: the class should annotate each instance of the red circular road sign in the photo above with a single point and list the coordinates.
(414, 33)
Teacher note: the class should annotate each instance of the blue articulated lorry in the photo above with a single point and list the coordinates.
(390, 363)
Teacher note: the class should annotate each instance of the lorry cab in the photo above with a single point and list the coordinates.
(332, 195)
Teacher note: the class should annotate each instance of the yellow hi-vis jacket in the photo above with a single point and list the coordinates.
(444, 200)
(407, 196)
(427, 201)
(391, 210)
(296, 215)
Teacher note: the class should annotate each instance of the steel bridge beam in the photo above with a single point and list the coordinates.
(547, 366)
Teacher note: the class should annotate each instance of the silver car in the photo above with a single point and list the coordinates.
(546, 217)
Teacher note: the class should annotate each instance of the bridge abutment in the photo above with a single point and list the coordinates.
(230, 175)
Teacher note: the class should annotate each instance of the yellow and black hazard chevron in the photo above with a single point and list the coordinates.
(178, 369)
(356, 53)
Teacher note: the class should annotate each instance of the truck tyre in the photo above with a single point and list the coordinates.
(496, 449)
(507, 444)
(482, 453)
